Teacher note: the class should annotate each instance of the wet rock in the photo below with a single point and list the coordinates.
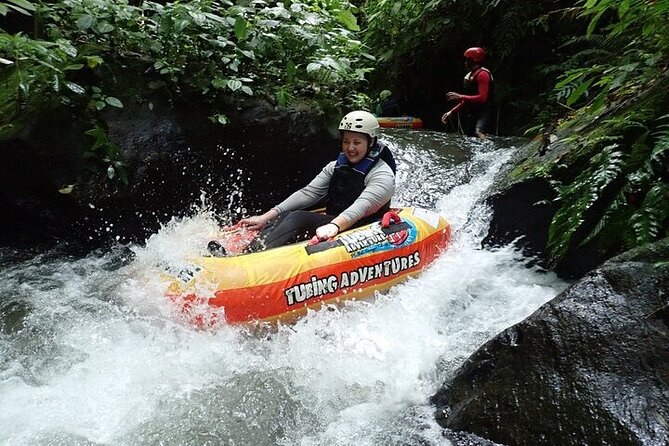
(465, 439)
(522, 214)
(171, 154)
(589, 367)
(530, 225)
(32, 209)
(524, 204)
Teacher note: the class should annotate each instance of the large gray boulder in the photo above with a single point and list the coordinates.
(591, 367)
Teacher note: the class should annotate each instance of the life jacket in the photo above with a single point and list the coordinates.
(471, 88)
(348, 182)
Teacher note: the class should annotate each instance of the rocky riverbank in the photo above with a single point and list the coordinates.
(591, 366)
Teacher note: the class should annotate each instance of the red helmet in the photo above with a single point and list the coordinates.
(476, 54)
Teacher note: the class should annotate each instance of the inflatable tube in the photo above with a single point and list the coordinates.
(282, 283)
(408, 122)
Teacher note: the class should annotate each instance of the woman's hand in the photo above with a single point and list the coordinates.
(445, 116)
(257, 222)
(452, 96)
(327, 231)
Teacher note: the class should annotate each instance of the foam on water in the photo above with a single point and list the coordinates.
(91, 352)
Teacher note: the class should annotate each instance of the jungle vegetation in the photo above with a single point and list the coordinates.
(219, 48)
(554, 61)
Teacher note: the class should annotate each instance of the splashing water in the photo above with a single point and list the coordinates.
(91, 352)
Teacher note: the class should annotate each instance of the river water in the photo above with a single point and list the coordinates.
(92, 354)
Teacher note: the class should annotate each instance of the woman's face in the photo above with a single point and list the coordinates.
(354, 146)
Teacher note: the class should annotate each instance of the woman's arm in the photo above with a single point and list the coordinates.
(311, 194)
(446, 116)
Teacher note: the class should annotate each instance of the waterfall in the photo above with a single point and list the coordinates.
(92, 353)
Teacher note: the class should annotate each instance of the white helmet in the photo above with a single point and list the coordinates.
(360, 121)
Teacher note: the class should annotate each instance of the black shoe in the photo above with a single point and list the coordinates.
(216, 249)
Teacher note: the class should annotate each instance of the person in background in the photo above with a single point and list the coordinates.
(476, 104)
(356, 188)
(387, 104)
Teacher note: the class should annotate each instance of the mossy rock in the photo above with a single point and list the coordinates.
(524, 194)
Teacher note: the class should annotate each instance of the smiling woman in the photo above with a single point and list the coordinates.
(355, 189)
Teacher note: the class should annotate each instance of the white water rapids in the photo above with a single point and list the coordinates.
(91, 353)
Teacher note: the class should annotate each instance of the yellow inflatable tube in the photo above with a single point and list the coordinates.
(282, 283)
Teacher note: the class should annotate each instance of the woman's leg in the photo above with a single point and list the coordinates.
(484, 124)
(288, 227)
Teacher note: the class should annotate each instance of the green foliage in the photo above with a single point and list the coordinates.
(514, 25)
(220, 48)
(388, 21)
(226, 51)
(21, 6)
(621, 199)
(303, 50)
(642, 18)
(631, 49)
(99, 100)
(36, 62)
(581, 195)
(107, 153)
(649, 221)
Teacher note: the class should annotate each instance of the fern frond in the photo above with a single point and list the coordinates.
(511, 29)
(600, 42)
(661, 147)
(579, 196)
(597, 40)
(492, 4)
(625, 122)
(606, 139)
(611, 163)
(612, 215)
(648, 221)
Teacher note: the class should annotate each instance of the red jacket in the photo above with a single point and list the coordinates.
(483, 82)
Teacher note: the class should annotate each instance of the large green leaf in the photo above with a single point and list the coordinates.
(234, 84)
(104, 27)
(86, 21)
(114, 102)
(76, 88)
(25, 4)
(241, 28)
(580, 90)
(22, 6)
(347, 19)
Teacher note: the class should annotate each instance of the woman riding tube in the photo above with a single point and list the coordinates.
(356, 188)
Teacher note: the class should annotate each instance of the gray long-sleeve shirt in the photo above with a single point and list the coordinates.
(379, 189)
